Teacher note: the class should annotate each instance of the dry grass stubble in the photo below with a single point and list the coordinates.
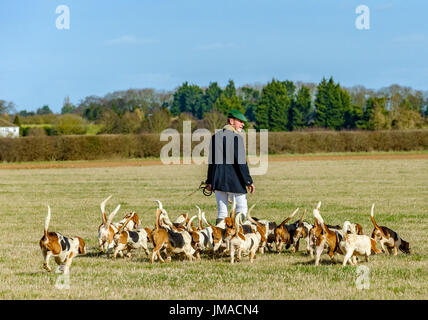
(346, 188)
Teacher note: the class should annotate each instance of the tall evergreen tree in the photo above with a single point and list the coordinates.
(230, 90)
(211, 94)
(272, 111)
(291, 89)
(250, 98)
(300, 109)
(17, 120)
(331, 104)
(187, 98)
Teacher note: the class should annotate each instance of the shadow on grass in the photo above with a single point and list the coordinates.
(312, 262)
(34, 273)
(93, 254)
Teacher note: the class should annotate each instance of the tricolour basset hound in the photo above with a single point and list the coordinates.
(64, 249)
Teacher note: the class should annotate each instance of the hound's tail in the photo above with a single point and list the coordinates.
(47, 221)
(158, 213)
(374, 221)
(233, 212)
(289, 218)
(301, 219)
(199, 218)
(103, 208)
(111, 216)
(189, 224)
(160, 204)
(372, 217)
(250, 218)
(317, 216)
(237, 219)
(126, 223)
(205, 220)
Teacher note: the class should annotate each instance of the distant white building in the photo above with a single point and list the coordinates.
(8, 129)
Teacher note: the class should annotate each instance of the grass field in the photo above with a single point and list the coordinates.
(347, 188)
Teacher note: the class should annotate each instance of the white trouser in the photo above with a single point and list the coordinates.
(222, 204)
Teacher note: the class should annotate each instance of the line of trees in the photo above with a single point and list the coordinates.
(289, 106)
(276, 106)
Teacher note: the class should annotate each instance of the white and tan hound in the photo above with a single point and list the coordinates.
(107, 230)
(356, 245)
(325, 237)
(63, 249)
(202, 238)
(130, 240)
(262, 229)
(240, 243)
(165, 237)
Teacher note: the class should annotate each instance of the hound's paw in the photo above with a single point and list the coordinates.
(47, 268)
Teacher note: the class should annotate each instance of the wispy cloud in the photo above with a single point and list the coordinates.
(130, 40)
(217, 46)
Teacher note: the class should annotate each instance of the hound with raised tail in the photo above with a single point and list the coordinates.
(262, 230)
(164, 237)
(107, 230)
(388, 238)
(284, 233)
(217, 232)
(202, 238)
(356, 244)
(129, 240)
(270, 237)
(241, 243)
(303, 230)
(64, 249)
(130, 222)
(325, 237)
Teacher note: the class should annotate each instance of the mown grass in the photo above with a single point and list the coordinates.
(346, 188)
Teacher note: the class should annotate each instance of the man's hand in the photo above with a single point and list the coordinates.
(208, 187)
(251, 188)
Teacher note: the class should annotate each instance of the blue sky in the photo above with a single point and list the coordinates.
(116, 45)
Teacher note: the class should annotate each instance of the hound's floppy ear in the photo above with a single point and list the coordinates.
(316, 222)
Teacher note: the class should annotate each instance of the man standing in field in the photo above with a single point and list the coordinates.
(228, 173)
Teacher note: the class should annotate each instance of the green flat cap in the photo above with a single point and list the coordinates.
(237, 115)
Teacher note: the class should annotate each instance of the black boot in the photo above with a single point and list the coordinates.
(218, 220)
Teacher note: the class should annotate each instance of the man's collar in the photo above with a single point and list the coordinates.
(229, 127)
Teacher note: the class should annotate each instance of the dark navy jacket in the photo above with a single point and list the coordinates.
(227, 166)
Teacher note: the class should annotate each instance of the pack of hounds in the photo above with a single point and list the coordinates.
(231, 237)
